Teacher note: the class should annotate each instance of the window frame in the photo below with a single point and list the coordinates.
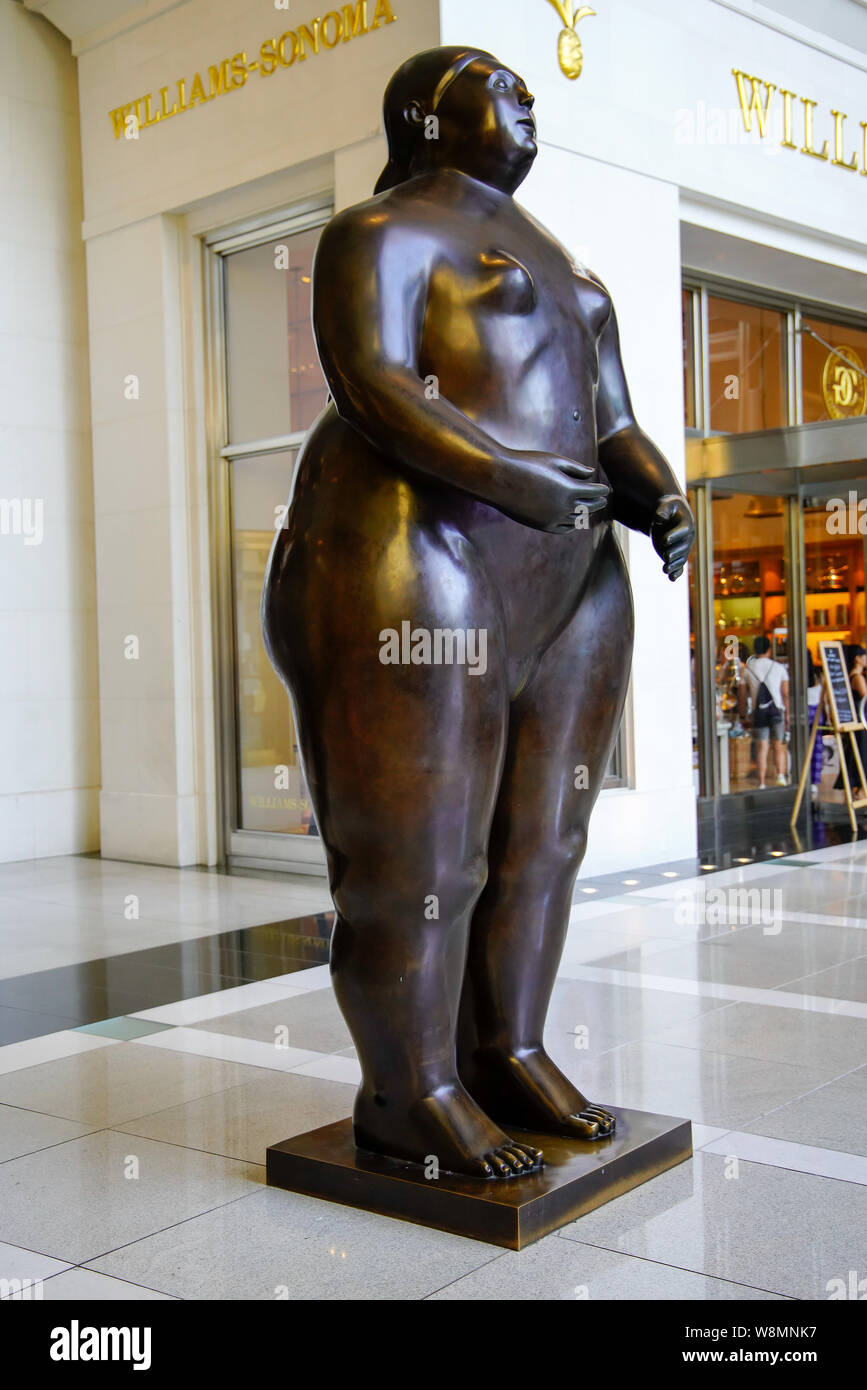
(700, 287)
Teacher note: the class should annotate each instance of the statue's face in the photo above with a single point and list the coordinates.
(487, 128)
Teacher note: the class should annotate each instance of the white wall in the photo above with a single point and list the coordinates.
(49, 741)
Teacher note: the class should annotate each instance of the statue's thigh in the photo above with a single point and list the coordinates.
(562, 728)
(402, 753)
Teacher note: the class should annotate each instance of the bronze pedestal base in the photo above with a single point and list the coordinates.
(514, 1212)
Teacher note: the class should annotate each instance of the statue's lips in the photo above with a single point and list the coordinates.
(529, 125)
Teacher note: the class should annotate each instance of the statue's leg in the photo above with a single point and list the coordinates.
(562, 729)
(403, 763)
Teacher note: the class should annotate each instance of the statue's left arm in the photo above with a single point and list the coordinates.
(645, 494)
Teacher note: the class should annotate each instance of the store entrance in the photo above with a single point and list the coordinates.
(779, 567)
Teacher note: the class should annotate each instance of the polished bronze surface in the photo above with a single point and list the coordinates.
(451, 615)
(578, 1175)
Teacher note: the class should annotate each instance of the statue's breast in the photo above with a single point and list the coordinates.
(505, 284)
(594, 304)
(494, 282)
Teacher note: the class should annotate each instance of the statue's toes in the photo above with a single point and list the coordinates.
(584, 1126)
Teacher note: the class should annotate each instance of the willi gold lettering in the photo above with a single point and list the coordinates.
(219, 79)
(757, 102)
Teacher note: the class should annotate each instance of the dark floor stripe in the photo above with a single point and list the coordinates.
(70, 995)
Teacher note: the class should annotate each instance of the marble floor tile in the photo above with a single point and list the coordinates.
(799, 1158)
(310, 1020)
(593, 1016)
(218, 1003)
(748, 956)
(833, 1116)
(568, 1271)
(737, 876)
(86, 1286)
(780, 998)
(706, 1134)
(225, 1047)
(183, 899)
(25, 1131)
(333, 1067)
(827, 1045)
(84, 1198)
(112, 1084)
(789, 1233)
(125, 1028)
(314, 977)
(48, 1048)
(711, 1087)
(845, 981)
(242, 1121)
(27, 1265)
(287, 1246)
(17, 1025)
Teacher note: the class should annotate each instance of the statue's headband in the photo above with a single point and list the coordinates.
(449, 76)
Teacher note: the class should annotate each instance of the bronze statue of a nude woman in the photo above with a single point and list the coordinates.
(464, 479)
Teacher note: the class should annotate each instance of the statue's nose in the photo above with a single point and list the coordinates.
(527, 99)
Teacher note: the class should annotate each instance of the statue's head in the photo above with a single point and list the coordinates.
(458, 108)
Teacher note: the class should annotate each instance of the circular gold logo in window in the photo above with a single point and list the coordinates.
(844, 384)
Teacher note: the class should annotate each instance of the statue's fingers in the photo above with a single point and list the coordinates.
(678, 535)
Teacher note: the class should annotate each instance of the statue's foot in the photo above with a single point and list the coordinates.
(446, 1125)
(525, 1089)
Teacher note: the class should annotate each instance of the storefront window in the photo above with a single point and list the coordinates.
(275, 385)
(746, 368)
(750, 579)
(833, 370)
(834, 571)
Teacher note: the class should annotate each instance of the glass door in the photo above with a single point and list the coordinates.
(747, 619)
(272, 391)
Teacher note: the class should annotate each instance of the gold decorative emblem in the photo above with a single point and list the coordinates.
(844, 384)
(569, 53)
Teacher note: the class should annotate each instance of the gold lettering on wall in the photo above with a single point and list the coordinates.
(228, 74)
(756, 99)
(807, 147)
(839, 119)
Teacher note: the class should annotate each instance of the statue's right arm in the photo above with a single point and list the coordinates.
(370, 286)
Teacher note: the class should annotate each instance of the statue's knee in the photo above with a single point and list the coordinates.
(416, 893)
(568, 847)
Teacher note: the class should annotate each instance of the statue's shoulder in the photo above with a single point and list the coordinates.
(377, 219)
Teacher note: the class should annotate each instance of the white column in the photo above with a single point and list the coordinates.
(156, 717)
(49, 731)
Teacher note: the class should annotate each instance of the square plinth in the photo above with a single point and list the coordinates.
(577, 1176)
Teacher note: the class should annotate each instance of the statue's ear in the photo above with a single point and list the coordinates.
(413, 113)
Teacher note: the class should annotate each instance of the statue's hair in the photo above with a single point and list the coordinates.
(422, 79)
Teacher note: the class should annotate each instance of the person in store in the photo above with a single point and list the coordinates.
(769, 692)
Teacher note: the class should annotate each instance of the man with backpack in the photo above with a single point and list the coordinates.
(769, 689)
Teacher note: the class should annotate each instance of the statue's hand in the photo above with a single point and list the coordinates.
(553, 494)
(672, 531)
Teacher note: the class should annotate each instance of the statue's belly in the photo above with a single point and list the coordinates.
(351, 505)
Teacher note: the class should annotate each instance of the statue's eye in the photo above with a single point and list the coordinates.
(501, 84)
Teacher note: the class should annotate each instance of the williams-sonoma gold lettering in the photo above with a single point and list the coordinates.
(756, 97)
(295, 45)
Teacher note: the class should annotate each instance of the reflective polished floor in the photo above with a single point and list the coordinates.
(162, 1028)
